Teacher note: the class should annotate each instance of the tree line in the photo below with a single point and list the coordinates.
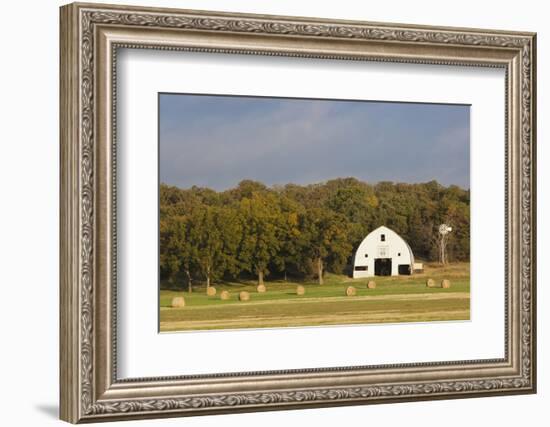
(301, 231)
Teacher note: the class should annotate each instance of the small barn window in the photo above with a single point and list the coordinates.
(361, 267)
(382, 237)
(398, 253)
(366, 255)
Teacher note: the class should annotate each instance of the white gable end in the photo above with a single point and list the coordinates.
(383, 252)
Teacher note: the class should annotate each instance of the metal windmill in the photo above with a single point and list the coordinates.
(444, 231)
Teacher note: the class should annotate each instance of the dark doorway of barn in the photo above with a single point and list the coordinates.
(404, 269)
(382, 266)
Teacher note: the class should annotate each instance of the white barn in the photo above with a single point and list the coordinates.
(383, 253)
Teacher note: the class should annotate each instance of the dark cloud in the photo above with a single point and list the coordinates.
(216, 141)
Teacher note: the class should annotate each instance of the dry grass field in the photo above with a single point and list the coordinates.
(395, 299)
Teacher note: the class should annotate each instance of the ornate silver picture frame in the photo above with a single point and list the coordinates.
(91, 35)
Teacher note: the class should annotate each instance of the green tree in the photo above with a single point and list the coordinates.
(218, 232)
(357, 202)
(261, 217)
(179, 254)
(325, 239)
(288, 255)
(169, 254)
(208, 242)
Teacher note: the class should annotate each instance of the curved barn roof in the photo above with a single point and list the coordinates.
(389, 230)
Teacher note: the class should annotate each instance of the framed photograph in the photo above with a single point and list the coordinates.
(267, 212)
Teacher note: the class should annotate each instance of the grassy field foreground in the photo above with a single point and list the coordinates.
(395, 299)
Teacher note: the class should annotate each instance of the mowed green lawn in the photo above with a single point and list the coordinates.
(395, 299)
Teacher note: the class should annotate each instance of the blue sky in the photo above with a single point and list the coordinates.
(217, 141)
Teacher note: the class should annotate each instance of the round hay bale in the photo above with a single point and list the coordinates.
(351, 291)
(210, 291)
(300, 290)
(430, 283)
(224, 295)
(244, 296)
(261, 289)
(178, 302)
(445, 284)
(371, 284)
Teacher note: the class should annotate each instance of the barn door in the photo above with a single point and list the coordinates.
(382, 266)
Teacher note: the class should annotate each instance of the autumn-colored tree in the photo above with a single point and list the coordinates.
(206, 235)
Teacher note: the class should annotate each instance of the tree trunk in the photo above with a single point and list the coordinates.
(189, 281)
(207, 277)
(260, 277)
(320, 270)
(285, 276)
